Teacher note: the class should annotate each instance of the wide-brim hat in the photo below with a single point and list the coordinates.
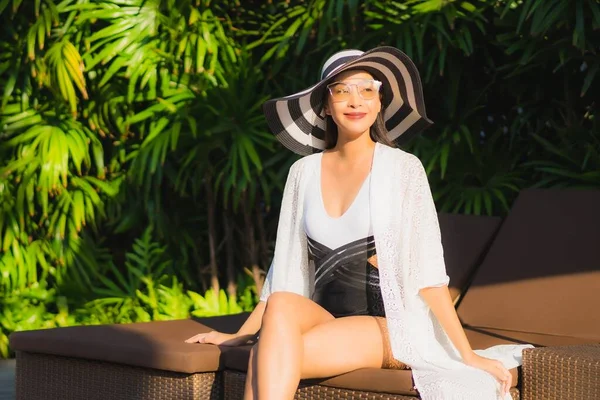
(298, 121)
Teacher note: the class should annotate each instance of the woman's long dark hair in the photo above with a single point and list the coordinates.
(378, 131)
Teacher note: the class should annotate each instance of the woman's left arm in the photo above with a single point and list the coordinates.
(430, 274)
(440, 302)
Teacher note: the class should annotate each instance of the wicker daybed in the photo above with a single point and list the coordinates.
(535, 279)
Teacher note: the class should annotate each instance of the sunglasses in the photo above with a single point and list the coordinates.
(367, 89)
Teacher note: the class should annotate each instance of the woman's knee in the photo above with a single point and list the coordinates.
(279, 305)
(284, 310)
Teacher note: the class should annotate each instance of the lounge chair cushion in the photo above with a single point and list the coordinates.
(158, 345)
(366, 379)
(481, 338)
(465, 239)
(542, 273)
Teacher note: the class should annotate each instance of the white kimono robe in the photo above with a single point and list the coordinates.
(409, 256)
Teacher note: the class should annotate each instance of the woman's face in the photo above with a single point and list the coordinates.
(353, 112)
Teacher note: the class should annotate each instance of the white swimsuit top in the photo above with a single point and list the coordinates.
(354, 224)
(346, 283)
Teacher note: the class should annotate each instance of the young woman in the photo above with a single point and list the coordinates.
(358, 278)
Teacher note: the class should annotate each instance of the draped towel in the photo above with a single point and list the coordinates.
(409, 257)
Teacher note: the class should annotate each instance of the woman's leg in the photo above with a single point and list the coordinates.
(279, 354)
(342, 345)
(250, 385)
(299, 339)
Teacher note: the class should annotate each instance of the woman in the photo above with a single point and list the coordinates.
(358, 278)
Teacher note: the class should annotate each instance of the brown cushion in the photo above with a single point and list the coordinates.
(366, 379)
(542, 271)
(465, 239)
(158, 345)
(482, 338)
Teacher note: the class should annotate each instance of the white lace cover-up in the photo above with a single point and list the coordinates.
(410, 257)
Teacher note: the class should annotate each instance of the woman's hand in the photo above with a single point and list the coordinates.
(494, 367)
(220, 338)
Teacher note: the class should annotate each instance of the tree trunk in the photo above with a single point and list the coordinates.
(251, 246)
(263, 245)
(231, 281)
(212, 234)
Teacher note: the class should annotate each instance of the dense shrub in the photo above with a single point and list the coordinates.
(136, 169)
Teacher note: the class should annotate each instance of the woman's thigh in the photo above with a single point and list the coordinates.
(289, 308)
(342, 345)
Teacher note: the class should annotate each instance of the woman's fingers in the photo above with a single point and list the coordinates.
(199, 338)
(508, 381)
(495, 368)
(219, 338)
(504, 376)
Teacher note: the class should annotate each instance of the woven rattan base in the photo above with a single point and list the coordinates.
(41, 376)
(560, 373)
(234, 384)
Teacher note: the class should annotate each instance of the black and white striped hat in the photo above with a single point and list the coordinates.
(298, 121)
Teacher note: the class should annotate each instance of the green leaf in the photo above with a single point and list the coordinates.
(589, 77)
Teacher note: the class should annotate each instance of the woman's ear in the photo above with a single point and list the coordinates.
(326, 109)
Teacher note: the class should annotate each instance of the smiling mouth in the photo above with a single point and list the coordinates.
(355, 115)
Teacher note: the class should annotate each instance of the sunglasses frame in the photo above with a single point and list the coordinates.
(375, 81)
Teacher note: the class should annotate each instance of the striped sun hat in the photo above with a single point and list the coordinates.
(298, 121)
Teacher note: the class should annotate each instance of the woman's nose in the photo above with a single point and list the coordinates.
(355, 100)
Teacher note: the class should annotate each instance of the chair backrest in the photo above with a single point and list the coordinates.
(465, 239)
(542, 272)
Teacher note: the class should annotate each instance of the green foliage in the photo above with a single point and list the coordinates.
(213, 304)
(137, 170)
(34, 308)
(147, 291)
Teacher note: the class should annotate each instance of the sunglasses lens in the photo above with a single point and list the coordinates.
(368, 90)
(341, 91)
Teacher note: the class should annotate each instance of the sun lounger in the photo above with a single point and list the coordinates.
(534, 280)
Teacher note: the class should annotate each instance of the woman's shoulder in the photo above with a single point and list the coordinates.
(306, 161)
(304, 164)
(400, 157)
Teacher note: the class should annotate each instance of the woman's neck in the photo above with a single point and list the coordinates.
(352, 149)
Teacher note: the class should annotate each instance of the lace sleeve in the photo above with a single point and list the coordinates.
(284, 227)
(426, 243)
(266, 289)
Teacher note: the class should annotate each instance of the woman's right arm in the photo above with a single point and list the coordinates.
(252, 325)
(247, 332)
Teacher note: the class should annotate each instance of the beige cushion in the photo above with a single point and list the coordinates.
(158, 345)
(542, 273)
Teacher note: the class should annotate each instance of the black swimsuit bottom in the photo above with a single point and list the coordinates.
(345, 282)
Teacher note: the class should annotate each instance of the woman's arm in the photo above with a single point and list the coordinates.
(431, 278)
(242, 336)
(254, 321)
(440, 302)
(252, 325)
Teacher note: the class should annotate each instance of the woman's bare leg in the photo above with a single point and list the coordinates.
(358, 344)
(250, 385)
(340, 346)
(280, 346)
